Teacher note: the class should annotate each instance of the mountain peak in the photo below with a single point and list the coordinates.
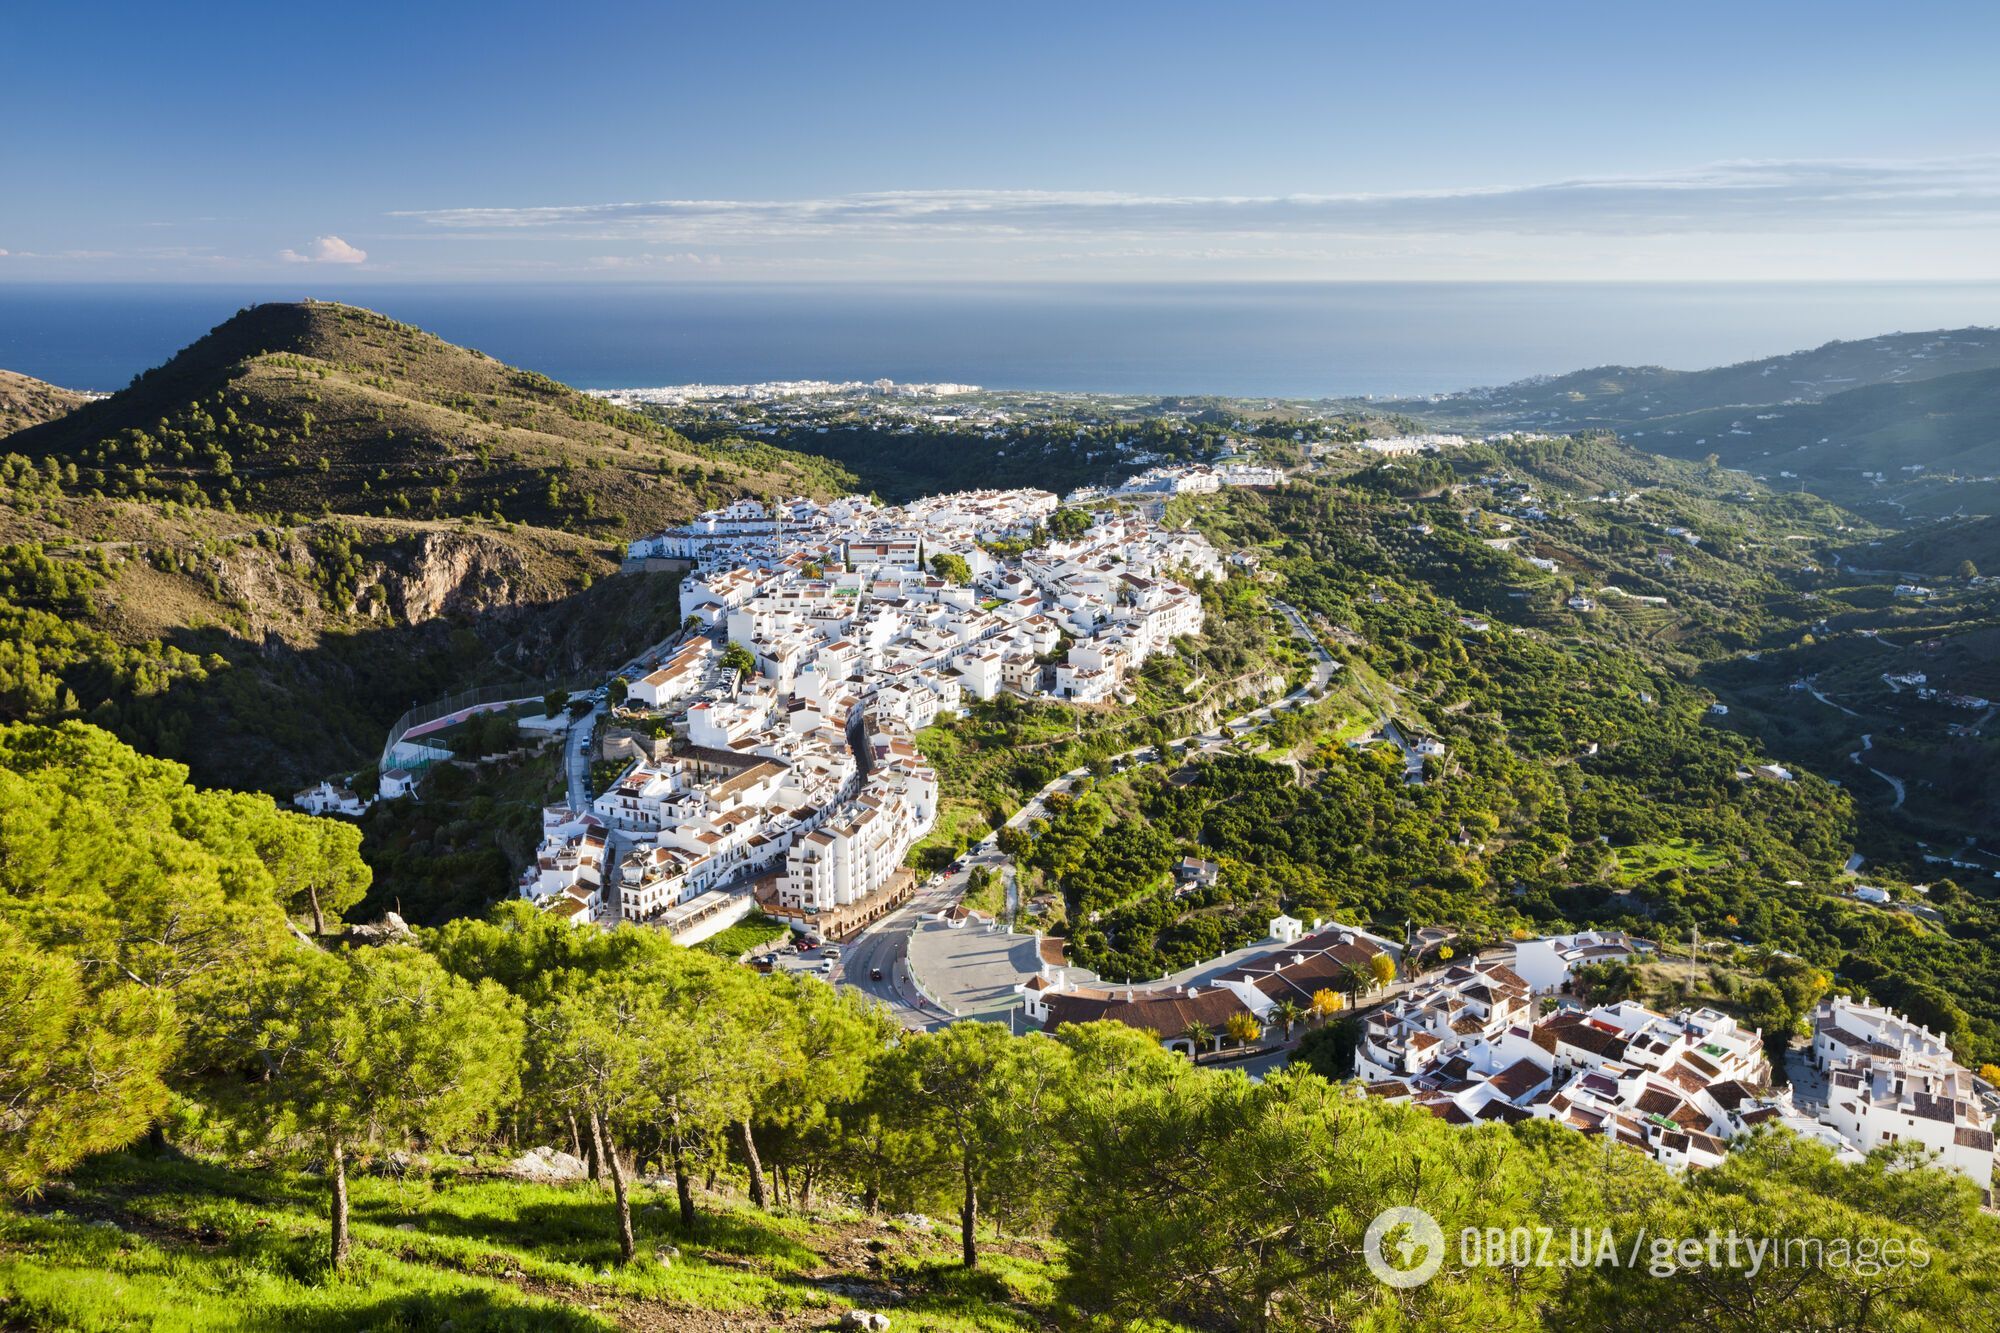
(311, 406)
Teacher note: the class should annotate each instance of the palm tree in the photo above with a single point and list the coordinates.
(1199, 1035)
(1355, 982)
(1288, 1013)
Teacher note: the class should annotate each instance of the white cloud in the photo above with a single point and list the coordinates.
(1930, 218)
(325, 250)
(1723, 197)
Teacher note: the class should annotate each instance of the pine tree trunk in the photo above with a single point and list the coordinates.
(336, 1179)
(756, 1166)
(682, 1187)
(968, 1218)
(872, 1198)
(575, 1135)
(594, 1150)
(806, 1178)
(627, 1247)
(319, 917)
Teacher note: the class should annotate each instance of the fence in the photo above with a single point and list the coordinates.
(452, 708)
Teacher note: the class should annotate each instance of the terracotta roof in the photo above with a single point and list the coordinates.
(1167, 1013)
(1730, 1094)
(1519, 1079)
(1934, 1108)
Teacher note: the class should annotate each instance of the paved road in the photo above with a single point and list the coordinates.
(884, 946)
(576, 756)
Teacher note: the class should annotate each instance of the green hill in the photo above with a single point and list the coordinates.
(1901, 427)
(1934, 444)
(1619, 396)
(320, 407)
(258, 554)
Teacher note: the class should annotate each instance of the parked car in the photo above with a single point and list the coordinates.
(826, 966)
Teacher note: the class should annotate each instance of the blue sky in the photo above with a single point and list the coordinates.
(871, 142)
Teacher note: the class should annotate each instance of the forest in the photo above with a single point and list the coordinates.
(1585, 778)
(184, 1011)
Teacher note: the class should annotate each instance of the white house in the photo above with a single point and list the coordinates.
(1547, 964)
(1893, 1081)
(330, 799)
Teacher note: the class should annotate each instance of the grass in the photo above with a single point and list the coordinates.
(960, 823)
(1642, 861)
(992, 899)
(751, 932)
(173, 1244)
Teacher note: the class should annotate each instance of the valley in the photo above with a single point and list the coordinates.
(1197, 733)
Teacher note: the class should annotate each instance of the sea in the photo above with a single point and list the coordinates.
(1301, 340)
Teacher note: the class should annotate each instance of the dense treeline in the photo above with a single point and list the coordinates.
(1576, 754)
(1583, 780)
(925, 458)
(159, 977)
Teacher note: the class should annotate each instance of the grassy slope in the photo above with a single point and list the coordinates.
(26, 401)
(133, 1242)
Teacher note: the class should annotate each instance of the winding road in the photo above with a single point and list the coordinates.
(1854, 757)
(885, 944)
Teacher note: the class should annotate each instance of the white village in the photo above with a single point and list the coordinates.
(768, 762)
(795, 783)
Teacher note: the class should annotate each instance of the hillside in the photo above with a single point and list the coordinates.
(1621, 395)
(269, 655)
(1899, 427)
(26, 401)
(1930, 447)
(182, 1243)
(1934, 550)
(221, 1122)
(318, 407)
(261, 552)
